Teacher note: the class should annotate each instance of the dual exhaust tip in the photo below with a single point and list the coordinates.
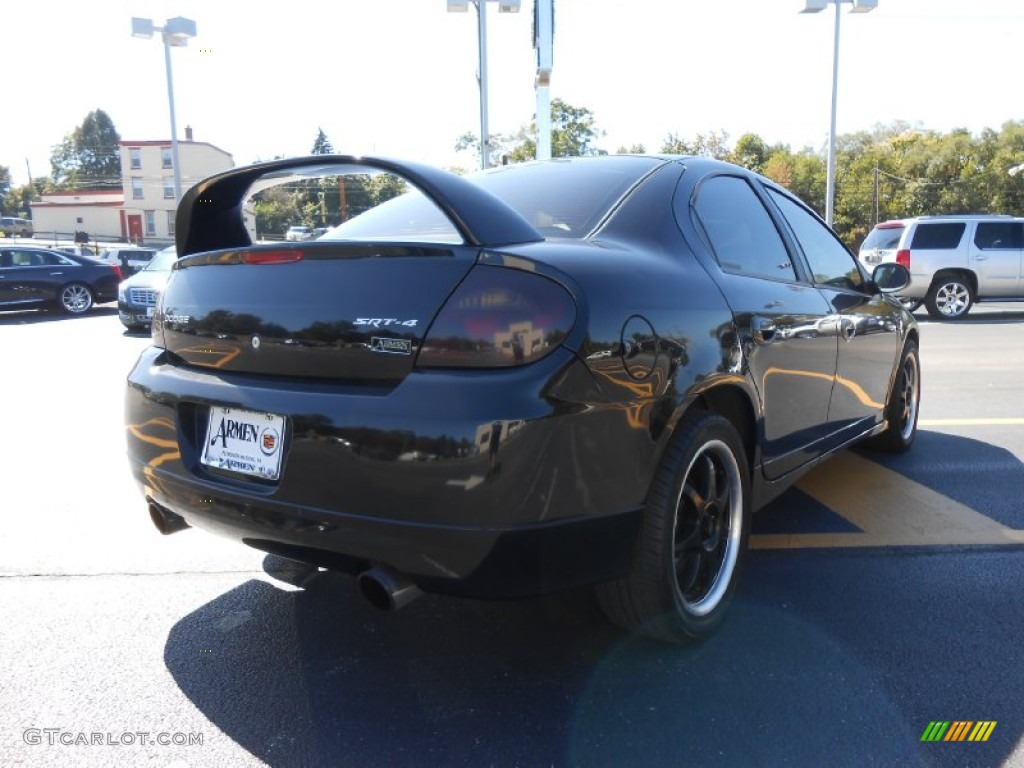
(382, 587)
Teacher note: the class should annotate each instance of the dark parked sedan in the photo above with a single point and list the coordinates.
(585, 371)
(34, 277)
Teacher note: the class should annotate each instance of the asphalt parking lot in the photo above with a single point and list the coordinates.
(882, 595)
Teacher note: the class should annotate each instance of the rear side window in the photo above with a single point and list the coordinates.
(994, 235)
(742, 235)
(937, 236)
(883, 238)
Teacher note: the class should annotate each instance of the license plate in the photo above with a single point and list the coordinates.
(247, 442)
(873, 258)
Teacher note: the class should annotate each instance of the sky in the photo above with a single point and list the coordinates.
(397, 78)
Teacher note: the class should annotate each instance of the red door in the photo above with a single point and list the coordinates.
(134, 228)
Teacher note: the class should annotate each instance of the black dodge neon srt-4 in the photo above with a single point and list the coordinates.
(583, 371)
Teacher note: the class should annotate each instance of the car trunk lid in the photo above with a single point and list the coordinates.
(335, 310)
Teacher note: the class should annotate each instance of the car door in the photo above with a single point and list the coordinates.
(995, 256)
(37, 274)
(23, 278)
(781, 320)
(6, 278)
(869, 326)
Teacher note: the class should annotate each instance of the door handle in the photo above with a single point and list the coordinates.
(847, 328)
(763, 330)
(979, 257)
(56, 273)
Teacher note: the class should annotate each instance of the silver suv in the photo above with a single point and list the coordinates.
(12, 226)
(954, 261)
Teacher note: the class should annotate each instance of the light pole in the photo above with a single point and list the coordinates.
(504, 6)
(543, 41)
(176, 32)
(815, 6)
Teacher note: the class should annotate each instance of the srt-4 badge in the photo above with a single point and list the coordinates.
(383, 322)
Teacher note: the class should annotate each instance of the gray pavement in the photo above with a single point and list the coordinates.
(834, 655)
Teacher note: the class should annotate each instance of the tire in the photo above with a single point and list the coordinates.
(693, 542)
(75, 299)
(950, 297)
(904, 404)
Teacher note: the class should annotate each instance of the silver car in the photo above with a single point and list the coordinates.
(954, 261)
(138, 295)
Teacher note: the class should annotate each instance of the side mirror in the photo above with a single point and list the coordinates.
(890, 277)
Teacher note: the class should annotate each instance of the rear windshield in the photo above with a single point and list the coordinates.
(938, 235)
(883, 238)
(560, 199)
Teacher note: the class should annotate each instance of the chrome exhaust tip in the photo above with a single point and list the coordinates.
(166, 522)
(386, 589)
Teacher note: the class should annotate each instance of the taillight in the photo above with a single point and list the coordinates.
(497, 318)
(117, 271)
(903, 257)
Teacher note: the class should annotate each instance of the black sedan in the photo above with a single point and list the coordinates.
(584, 371)
(40, 277)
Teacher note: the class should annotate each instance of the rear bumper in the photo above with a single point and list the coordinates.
(471, 490)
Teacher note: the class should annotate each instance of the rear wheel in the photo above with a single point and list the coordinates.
(693, 539)
(950, 297)
(75, 298)
(901, 412)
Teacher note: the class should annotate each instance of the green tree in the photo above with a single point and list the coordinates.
(713, 144)
(322, 145)
(89, 156)
(573, 133)
(751, 152)
(5, 187)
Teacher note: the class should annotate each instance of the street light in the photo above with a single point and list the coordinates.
(815, 6)
(176, 33)
(504, 6)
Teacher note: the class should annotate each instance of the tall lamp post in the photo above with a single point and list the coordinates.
(543, 41)
(176, 33)
(504, 6)
(816, 6)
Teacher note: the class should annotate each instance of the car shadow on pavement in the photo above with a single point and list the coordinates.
(316, 677)
(33, 316)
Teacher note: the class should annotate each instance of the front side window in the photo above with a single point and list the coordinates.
(996, 235)
(136, 188)
(938, 236)
(743, 236)
(831, 264)
(150, 223)
(166, 159)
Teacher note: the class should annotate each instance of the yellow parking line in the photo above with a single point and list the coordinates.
(890, 509)
(969, 422)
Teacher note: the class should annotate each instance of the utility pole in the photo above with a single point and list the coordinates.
(876, 192)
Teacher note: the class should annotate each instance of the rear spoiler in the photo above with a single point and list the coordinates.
(209, 215)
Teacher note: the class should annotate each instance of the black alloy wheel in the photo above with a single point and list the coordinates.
(694, 537)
